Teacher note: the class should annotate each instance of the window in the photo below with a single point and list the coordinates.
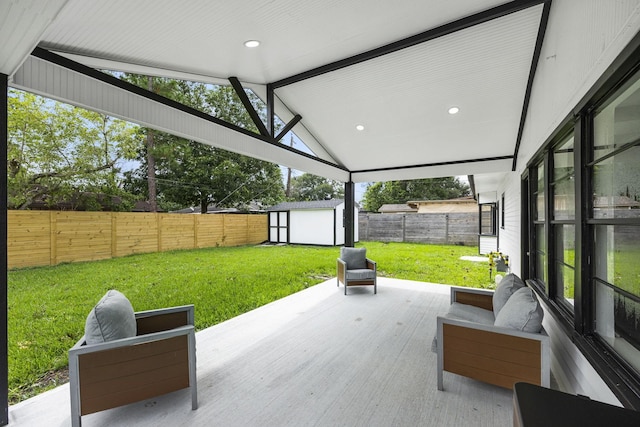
(564, 214)
(502, 211)
(488, 219)
(615, 219)
(539, 234)
(581, 228)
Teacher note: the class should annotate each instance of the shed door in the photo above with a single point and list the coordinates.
(279, 227)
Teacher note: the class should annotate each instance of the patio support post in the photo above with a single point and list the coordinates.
(349, 211)
(4, 141)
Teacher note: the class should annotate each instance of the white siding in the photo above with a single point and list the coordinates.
(311, 227)
(509, 242)
(488, 244)
(581, 378)
(583, 38)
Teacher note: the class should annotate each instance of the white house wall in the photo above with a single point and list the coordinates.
(510, 239)
(583, 38)
(311, 227)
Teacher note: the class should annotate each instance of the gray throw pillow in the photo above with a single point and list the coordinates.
(111, 319)
(522, 312)
(355, 258)
(507, 286)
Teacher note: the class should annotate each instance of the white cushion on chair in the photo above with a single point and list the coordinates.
(111, 319)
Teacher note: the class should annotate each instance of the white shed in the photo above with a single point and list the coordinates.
(319, 222)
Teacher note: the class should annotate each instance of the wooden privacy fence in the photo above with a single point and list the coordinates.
(37, 238)
(455, 228)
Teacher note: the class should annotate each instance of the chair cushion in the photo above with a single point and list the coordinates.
(522, 312)
(355, 258)
(361, 274)
(507, 286)
(470, 313)
(111, 319)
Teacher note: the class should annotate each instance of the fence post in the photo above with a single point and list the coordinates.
(114, 235)
(159, 226)
(404, 227)
(446, 228)
(195, 231)
(53, 250)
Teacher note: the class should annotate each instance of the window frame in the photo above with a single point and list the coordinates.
(579, 324)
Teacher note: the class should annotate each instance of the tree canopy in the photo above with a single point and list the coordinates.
(308, 187)
(61, 153)
(189, 173)
(393, 192)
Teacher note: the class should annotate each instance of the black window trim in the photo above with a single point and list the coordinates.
(623, 381)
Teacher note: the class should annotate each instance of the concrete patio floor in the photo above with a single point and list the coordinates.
(315, 358)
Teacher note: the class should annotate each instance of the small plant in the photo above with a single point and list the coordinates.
(499, 261)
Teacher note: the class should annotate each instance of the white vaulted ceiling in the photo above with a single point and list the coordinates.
(465, 55)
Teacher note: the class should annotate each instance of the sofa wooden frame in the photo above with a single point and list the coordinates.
(487, 353)
(159, 360)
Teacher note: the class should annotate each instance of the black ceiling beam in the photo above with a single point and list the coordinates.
(427, 165)
(249, 107)
(129, 87)
(288, 127)
(271, 114)
(544, 19)
(443, 30)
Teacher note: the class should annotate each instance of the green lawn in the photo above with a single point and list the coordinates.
(48, 305)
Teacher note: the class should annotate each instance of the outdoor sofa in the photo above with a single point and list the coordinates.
(494, 337)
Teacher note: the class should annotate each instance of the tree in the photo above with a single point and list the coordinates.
(164, 87)
(57, 152)
(307, 187)
(190, 173)
(380, 193)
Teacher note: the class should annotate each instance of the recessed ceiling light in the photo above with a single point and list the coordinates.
(359, 127)
(252, 43)
(454, 110)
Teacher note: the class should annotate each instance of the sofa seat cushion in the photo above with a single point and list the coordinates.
(470, 313)
(521, 312)
(507, 287)
(361, 274)
(111, 319)
(355, 258)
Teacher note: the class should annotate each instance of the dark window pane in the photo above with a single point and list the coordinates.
(564, 182)
(618, 322)
(617, 256)
(618, 122)
(539, 216)
(541, 254)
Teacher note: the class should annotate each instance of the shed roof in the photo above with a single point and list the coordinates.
(396, 208)
(314, 204)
